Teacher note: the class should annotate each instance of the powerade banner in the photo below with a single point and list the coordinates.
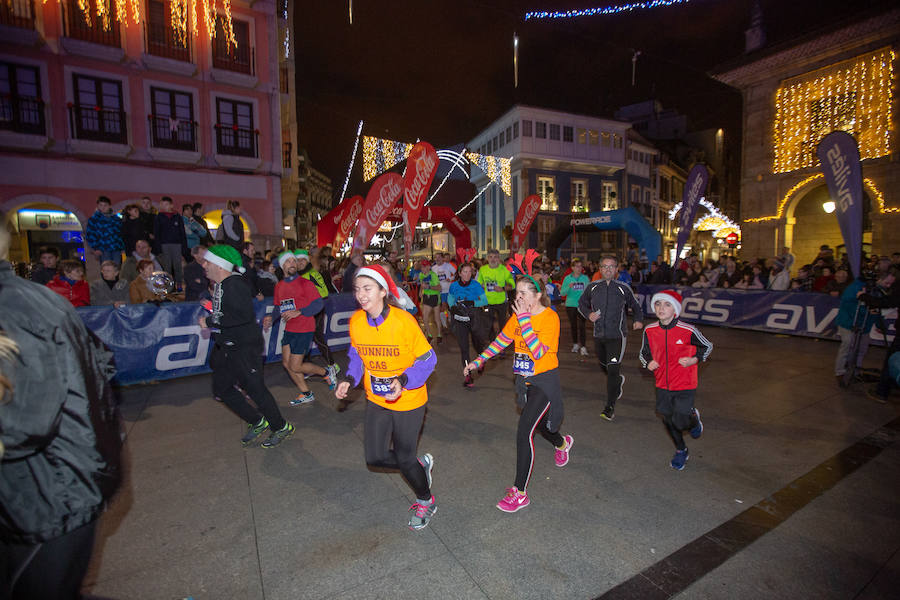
(694, 189)
(792, 313)
(839, 156)
(153, 343)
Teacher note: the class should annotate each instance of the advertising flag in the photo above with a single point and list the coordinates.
(421, 167)
(694, 190)
(382, 196)
(524, 218)
(348, 219)
(328, 228)
(839, 155)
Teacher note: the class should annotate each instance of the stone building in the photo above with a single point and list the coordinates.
(840, 78)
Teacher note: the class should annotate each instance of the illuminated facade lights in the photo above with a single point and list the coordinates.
(853, 96)
(868, 185)
(186, 16)
(716, 221)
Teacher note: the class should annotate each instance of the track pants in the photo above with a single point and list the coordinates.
(243, 366)
(610, 352)
(677, 410)
(52, 570)
(534, 416)
(319, 339)
(384, 427)
(498, 311)
(463, 330)
(577, 324)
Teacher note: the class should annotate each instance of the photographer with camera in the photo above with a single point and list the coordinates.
(885, 294)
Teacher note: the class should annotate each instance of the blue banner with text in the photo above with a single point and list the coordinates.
(792, 313)
(153, 343)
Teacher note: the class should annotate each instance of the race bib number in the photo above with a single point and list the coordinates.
(577, 287)
(442, 276)
(287, 304)
(491, 286)
(523, 365)
(381, 386)
(462, 318)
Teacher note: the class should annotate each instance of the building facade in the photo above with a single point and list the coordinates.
(794, 95)
(577, 164)
(129, 105)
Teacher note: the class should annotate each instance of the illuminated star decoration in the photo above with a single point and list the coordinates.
(601, 10)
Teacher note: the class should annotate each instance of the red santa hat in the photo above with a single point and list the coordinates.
(670, 296)
(378, 273)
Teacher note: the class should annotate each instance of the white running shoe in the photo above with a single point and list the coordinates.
(575, 348)
(584, 351)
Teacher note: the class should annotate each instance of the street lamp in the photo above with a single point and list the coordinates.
(828, 206)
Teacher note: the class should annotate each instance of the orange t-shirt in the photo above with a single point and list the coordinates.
(546, 326)
(387, 351)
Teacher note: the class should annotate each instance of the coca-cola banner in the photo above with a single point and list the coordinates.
(382, 196)
(421, 167)
(461, 233)
(524, 218)
(329, 227)
(348, 219)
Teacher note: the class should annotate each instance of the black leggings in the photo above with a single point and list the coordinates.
(465, 329)
(384, 426)
(577, 323)
(534, 416)
(51, 570)
(319, 338)
(610, 352)
(499, 311)
(243, 366)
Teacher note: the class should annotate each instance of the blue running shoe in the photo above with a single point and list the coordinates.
(697, 430)
(331, 377)
(681, 457)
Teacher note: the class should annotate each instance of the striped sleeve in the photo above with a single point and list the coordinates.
(537, 348)
(704, 346)
(495, 347)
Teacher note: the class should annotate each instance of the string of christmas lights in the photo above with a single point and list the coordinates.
(855, 96)
(868, 185)
(601, 10)
(352, 159)
(186, 16)
(497, 169)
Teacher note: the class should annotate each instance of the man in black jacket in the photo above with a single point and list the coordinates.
(169, 239)
(881, 391)
(236, 357)
(59, 436)
(605, 303)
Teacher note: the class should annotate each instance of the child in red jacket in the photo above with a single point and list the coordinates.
(672, 349)
(71, 284)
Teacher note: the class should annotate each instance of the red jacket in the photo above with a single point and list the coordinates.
(78, 294)
(666, 344)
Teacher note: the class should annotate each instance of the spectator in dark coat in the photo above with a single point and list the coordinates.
(133, 228)
(148, 217)
(196, 284)
(110, 289)
(170, 241)
(49, 257)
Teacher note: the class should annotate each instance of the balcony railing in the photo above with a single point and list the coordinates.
(22, 115)
(237, 141)
(98, 124)
(17, 13)
(241, 59)
(161, 41)
(90, 29)
(174, 134)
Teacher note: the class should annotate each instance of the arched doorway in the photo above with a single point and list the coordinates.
(38, 220)
(809, 226)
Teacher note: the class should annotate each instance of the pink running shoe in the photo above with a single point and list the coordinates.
(513, 501)
(562, 456)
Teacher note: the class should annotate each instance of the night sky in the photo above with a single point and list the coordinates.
(442, 71)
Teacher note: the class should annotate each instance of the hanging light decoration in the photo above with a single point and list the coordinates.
(186, 16)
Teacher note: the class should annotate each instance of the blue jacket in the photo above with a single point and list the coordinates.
(104, 232)
(473, 292)
(848, 309)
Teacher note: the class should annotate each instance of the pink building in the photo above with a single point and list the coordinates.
(98, 103)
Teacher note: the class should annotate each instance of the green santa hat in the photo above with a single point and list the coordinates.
(224, 256)
(300, 253)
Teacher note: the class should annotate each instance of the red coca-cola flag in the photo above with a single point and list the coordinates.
(421, 166)
(382, 197)
(524, 218)
(348, 219)
(328, 227)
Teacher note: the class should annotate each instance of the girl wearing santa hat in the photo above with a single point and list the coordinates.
(671, 349)
(391, 357)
